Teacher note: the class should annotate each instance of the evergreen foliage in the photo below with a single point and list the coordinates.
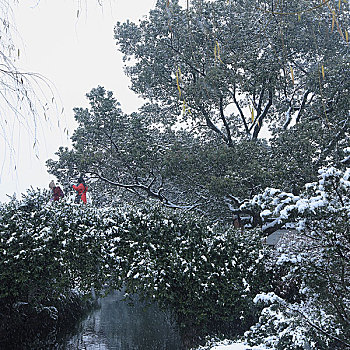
(127, 158)
(206, 275)
(214, 74)
(316, 260)
(249, 54)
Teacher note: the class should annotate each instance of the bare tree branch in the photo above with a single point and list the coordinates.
(302, 106)
(240, 111)
(261, 117)
(212, 126)
(227, 127)
(146, 188)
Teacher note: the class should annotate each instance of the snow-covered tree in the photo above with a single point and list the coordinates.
(247, 54)
(315, 260)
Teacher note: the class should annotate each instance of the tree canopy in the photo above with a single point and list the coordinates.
(233, 66)
(240, 95)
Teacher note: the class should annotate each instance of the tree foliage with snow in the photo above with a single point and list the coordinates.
(316, 260)
(206, 275)
(215, 54)
(214, 74)
(127, 158)
(198, 73)
(50, 255)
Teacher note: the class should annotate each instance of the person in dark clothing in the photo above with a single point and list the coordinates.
(81, 189)
(57, 193)
(237, 222)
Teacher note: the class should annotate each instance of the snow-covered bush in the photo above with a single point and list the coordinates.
(205, 274)
(317, 259)
(46, 247)
(49, 257)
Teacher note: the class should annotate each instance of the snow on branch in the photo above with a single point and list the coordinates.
(149, 191)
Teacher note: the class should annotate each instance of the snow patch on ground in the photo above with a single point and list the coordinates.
(238, 346)
(232, 345)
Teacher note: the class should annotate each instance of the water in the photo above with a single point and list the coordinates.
(117, 325)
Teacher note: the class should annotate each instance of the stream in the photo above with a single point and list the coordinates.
(118, 325)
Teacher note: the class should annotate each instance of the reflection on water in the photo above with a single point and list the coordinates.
(116, 325)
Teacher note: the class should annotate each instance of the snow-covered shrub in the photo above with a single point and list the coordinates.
(49, 257)
(295, 326)
(205, 274)
(317, 258)
(46, 247)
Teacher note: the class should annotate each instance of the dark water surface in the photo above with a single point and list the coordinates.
(117, 325)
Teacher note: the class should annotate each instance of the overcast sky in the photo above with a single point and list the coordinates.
(76, 52)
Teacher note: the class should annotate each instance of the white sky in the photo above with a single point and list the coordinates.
(76, 54)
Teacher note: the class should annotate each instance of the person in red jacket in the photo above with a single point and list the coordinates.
(57, 193)
(81, 189)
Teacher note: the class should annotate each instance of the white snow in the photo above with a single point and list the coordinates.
(235, 346)
(270, 297)
(238, 346)
(265, 212)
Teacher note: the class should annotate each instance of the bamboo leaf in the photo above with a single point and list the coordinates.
(333, 20)
(322, 69)
(292, 73)
(252, 112)
(219, 53)
(346, 36)
(177, 81)
(180, 74)
(339, 31)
